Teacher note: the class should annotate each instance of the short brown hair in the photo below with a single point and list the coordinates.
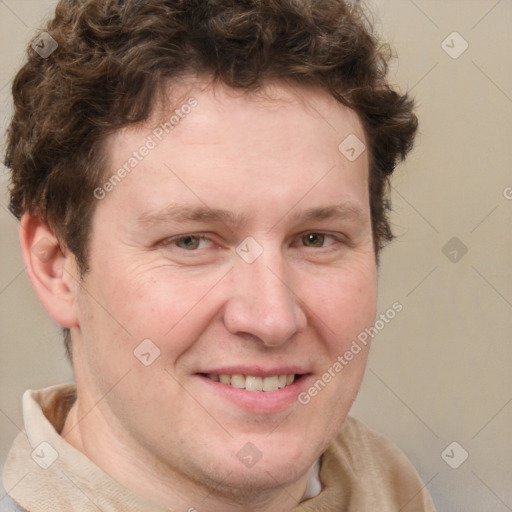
(113, 56)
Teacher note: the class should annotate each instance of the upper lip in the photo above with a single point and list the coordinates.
(256, 371)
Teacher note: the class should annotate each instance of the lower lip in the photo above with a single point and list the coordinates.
(259, 401)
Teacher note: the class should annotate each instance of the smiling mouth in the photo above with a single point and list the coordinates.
(253, 383)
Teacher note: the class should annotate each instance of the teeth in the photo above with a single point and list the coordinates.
(238, 381)
(225, 379)
(252, 383)
(271, 383)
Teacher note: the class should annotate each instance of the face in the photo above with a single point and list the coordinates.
(238, 251)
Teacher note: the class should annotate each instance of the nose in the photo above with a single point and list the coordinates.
(263, 303)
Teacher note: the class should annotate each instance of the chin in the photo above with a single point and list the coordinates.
(262, 477)
(251, 469)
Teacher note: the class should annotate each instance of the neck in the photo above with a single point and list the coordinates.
(152, 479)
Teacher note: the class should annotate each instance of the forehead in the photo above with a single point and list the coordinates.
(242, 114)
(252, 112)
(240, 148)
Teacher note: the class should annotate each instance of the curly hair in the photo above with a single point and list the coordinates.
(114, 57)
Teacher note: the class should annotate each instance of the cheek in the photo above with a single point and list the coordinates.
(345, 304)
(173, 307)
(168, 307)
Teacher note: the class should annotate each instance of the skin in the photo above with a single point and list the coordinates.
(163, 430)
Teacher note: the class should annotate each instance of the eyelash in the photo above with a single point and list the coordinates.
(172, 241)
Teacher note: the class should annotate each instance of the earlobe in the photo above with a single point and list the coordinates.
(51, 269)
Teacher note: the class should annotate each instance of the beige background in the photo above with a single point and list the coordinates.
(440, 371)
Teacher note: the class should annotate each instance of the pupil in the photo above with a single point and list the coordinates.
(190, 242)
(315, 239)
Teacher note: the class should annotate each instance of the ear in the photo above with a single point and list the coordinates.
(51, 269)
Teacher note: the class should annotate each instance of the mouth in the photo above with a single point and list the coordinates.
(255, 389)
(252, 382)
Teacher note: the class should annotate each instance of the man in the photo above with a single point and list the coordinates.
(202, 194)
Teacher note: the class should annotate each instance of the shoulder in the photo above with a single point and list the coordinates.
(7, 504)
(377, 472)
(366, 444)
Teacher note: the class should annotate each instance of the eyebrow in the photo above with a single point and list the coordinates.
(344, 210)
(182, 213)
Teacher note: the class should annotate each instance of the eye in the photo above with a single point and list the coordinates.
(316, 240)
(188, 242)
